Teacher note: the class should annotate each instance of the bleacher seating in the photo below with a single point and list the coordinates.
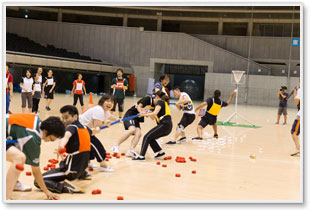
(22, 44)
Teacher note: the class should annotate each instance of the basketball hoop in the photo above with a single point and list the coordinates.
(236, 78)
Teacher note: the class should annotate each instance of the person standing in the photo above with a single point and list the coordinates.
(39, 74)
(283, 95)
(161, 85)
(36, 94)
(9, 87)
(26, 85)
(214, 106)
(48, 89)
(295, 131)
(163, 128)
(188, 117)
(77, 91)
(119, 86)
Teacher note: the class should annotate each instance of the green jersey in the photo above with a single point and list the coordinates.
(28, 137)
(118, 91)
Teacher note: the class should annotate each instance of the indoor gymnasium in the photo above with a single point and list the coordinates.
(150, 104)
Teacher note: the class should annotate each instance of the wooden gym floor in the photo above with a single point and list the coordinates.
(224, 169)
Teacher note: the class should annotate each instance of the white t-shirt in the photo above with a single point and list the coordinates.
(27, 83)
(37, 87)
(298, 97)
(40, 79)
(189, 107)
(94, 113)
(50, 81)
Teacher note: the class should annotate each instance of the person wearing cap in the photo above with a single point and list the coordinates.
(283, 95)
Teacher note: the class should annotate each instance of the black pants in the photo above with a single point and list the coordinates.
(54, 179)
(76, 97)
(97, 150)
(162, 129)
(35, 105)
(120, 102)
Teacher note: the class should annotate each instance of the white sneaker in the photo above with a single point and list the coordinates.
(115, 149)
(21, 187)
(91, 165)
(106, 169)
(131, 153)
(295, 153)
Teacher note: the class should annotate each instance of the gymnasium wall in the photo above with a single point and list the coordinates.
(262, 89)
(262, 47)
(272, 50)
(127, 46)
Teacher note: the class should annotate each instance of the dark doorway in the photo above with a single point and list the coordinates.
(191, 79)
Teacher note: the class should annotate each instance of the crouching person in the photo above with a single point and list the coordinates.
(76, 142)
(28, 131)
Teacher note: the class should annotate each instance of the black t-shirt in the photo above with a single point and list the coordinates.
(210, 103)
(283, 101)
(164, 111)
(78, 142)
(217, 101)
(145, 101)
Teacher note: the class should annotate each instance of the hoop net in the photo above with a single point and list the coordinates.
(238, 75)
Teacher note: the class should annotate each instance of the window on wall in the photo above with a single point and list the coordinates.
(207, 28)
(185, 69)
(98, 20)
(31, 14)
(277, 30)
(149, 25)
(235, 29)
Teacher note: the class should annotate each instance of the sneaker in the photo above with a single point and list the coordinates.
(85, 176)
(159, 154)
(296, 152)
(139, 157)
(91, 165)
(106, 169)
(115, 149)
(181, 140)
(285, 123)
(131, 153)
(197, 139)
(171, 142)
(216, 136)
(71, 188)
(19, 186)
(277, 123)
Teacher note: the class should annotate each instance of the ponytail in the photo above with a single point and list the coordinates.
(162, 96)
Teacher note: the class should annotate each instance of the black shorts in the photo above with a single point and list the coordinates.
(296, 127)
(47, 94)
(132, 122)
(8, 146)
(186, 120)
(207, 120)
(120, 102)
